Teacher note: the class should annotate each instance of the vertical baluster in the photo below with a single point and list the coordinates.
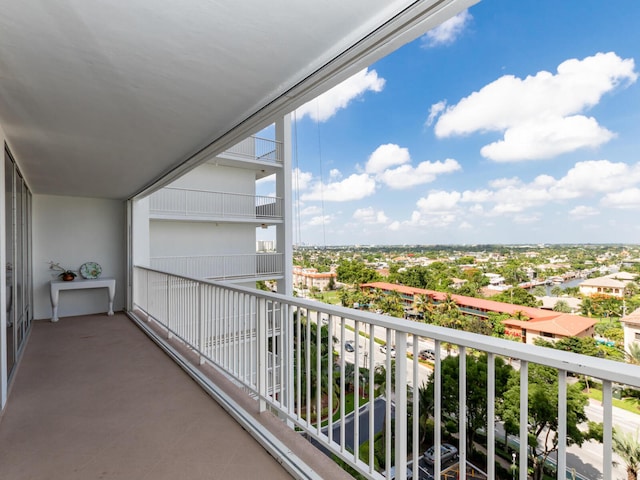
(307, 364)
(607, 444)
(437, 409)
(524, 417)
(262, 353)
(401, 402)
(387, 412)
(318, 367)
(491, 415)
(330, 359)
(342, 385)
(371, 365)
(462, 414)
(416, 406)
(356, 395)
(562, 423)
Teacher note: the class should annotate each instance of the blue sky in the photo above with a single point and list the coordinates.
(515, 122)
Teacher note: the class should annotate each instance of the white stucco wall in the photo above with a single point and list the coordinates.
(218, 178)
(630, 332)
(181, 238)
(71, 231)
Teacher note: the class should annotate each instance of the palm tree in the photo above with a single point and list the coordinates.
(627, 446)
(424, 304)
(562, 306)
(380, 379)
(633, 353)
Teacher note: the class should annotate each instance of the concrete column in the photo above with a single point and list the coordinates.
(284, 231)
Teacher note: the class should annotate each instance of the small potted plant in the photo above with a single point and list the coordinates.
(65, 274)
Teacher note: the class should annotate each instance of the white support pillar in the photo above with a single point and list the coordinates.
(284, 230)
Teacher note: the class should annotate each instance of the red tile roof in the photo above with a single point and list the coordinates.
(540, 320)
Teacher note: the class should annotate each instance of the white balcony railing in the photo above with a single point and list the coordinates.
(263, 342)
(222, 267)
(256, 148)
(201, 203)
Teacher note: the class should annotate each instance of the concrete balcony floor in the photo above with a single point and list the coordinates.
(94, 398)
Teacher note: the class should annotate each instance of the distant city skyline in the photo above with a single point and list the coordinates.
(514, 122)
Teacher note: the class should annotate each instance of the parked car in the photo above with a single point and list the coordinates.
(427, 354)
(392, 350)
(392, 473)
(447, 452)
(348, 346)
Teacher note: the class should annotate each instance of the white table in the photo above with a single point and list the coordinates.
(81, 284)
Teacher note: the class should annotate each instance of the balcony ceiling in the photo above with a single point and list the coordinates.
(103, 98)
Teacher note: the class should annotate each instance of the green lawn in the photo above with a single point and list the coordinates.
(332, 297)
(628, 404)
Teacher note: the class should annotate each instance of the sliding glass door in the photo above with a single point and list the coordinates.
(18, 256)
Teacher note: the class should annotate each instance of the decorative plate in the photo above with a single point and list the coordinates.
(90, 270)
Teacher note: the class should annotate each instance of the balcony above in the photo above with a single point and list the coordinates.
(259, 266)
(260, 154)
(204, 206)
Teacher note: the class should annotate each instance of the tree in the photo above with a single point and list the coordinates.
(476, 412)
(562, 306)
(424, 304)
(627, 446)
(356, 272)
(517, 296)
(539, 291)
(543, 414)
(557, 291)
(633, 353)
(308, 338)
(380, 379)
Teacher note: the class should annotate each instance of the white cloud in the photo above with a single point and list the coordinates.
(394, 226)
(582, 211)
(407, 176)
(435, 110)
(335, 174)
(370, 216)
(439, 201)
(628, 198)
(505, 182)
(618, 182)
(596, 176)
(354, 187)
(538, 140)
(525, 219)
(319, 220)
(540, 115)
(300, 179)
(476, 196)
(311, 210)
(465, 226)
(386, 156)
(447, 32)
(326, 105)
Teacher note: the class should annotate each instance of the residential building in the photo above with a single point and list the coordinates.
(103, 105)
(539, 322)
(204, 224)
(310, 278)
(631, 328)
(605, 286)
